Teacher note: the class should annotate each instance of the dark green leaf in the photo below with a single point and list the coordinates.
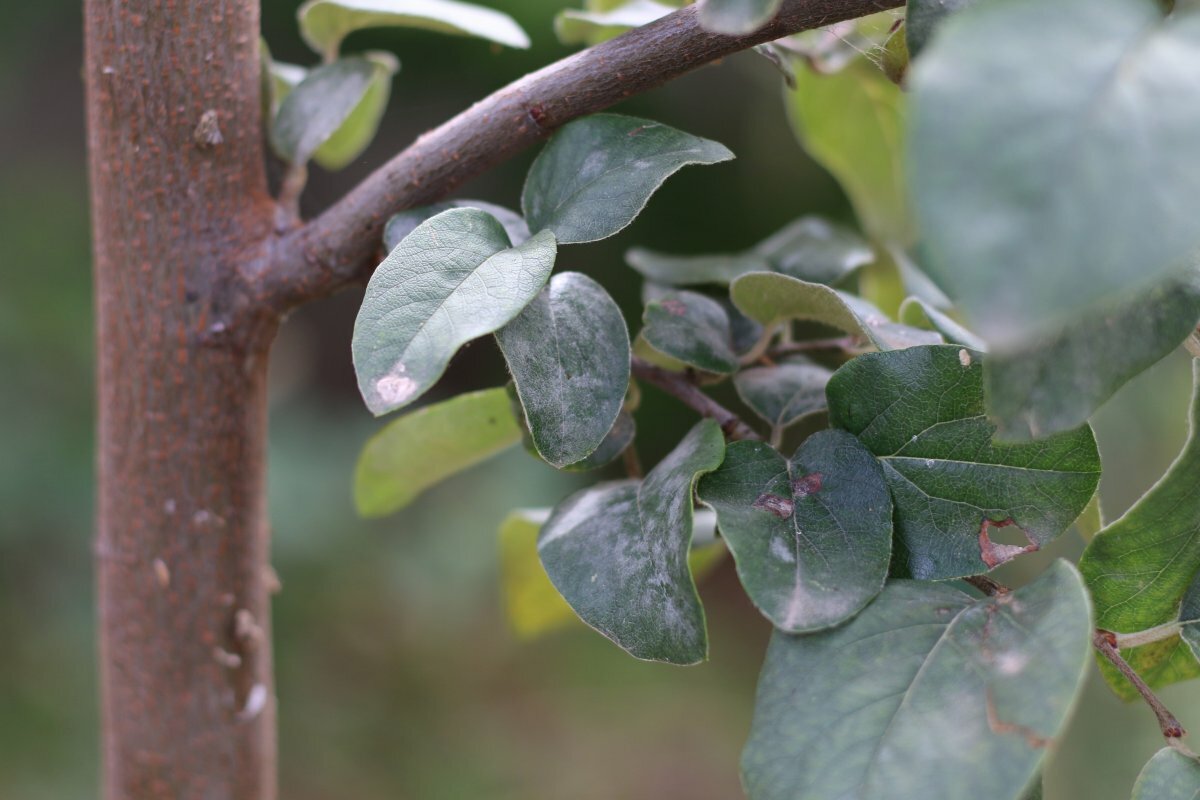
(812, 537)
(770, 298)
(736, 17)
(618, 553)
(692, 329)
(923, 17)
(925, 695)
(568, 352)
(358, 129)
(1057, 380)
(920, 411)
(1140, 567)
(811, 249)
(785, 393)
(404, 223)
(318, 106)
(615, 442)
(597, 174)
(451, 280)
(324, 23)
(1041, 198)
(428, 445)
(576, 26)
(1170, 775)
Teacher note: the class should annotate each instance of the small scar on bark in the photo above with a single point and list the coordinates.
(162, 573)
(1032, 737)
(773, 503)
(207, 134)
(246, 629)
(807, 485)
(994, 554)
(1109, 637)
(537, 113)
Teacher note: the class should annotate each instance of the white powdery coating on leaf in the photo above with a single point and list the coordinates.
(395, 388)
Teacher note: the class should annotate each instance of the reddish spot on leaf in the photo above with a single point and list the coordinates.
(1032, 737)
(779, 506)
(993, 553)
(808, 485)
(676, 307)
(637, 130)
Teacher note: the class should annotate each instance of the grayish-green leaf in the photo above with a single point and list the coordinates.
(597, 174)
(925, 695)
(617, 552)
(282, 79)
(1041, 198)
(920, 314)
(1189, 617)
(735, 17)
(1170, 775)
(1057, 380)
(432, 443)
(618, 438)
(810, 248)
(451, 280)
(324, 23)
(770, 298)
(785, 393)
(924, 16)
(404, 223)
(584, 26)
(920, 411)
(812, 537)
(692, 329)
(568, 352)
(1140, 567)
(318, 106)
(358, 129)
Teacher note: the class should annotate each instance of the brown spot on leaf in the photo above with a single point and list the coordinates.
(676, 307)
(779, 506)
(1032, 737)
(994, 553)
(807, 485)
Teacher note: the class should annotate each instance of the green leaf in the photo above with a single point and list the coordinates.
(692, 329)
(350, 140)
(1189, 617)
(920, 411)
(318, 106)
(920, 314)
(925, 695)
(1057, 380)
(1140, 567)
(618, 438)
(923, 17)
(534, 607)
(568, 352)
(812, 537)
(1091, 521)
(785, 393)
(810, 249)
(852, 123)
(325, 23)
(451, 280)
(1170, 775)
(1039, 199)
(404, 223)
(576, 26)
(770, 298)
(735, 17)
(283, 78)
(422, 448)
(597, 174)
(618, 553)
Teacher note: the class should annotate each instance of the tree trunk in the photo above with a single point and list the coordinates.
(180, 210)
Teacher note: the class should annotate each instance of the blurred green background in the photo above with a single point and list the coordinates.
(397, 675)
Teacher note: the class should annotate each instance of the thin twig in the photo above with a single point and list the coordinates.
(1171, 729)
(684, 389)
(633, 464)
(847, 343)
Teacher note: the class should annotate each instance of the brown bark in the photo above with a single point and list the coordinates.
(179, 212)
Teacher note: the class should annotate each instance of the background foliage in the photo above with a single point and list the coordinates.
(401, 677)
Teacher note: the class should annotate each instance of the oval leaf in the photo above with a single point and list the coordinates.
(429, 445)
(568, 352)
(812, 537)
(1139, 568)
(1053, 192)
(926, 695)
(451, 280)
(575, 26)
(597, 174)
(404, 223)
(785, 393)
(920, 411)
(921, 314)
(692, 329)
(736, 17)
(769, 298)
(922, 17)
(617, 553)
(318, 106)
(324, 23)
(358, 129)
(1170, 775)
